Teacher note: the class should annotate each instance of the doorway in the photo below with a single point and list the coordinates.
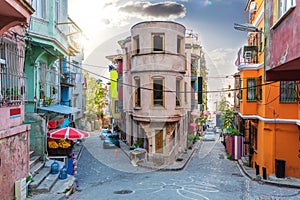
(158, 141)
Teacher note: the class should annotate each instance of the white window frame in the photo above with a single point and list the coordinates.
(284, 6)
(40, 7)
(57, 11)
(281, 8)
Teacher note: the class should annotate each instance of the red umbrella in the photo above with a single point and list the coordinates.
(68, 133)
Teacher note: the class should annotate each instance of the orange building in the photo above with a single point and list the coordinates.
(267, 112)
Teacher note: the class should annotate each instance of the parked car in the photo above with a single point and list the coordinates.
(218, 130)
(111, 141)
(104, 133)
(210, 129)
(209, 136)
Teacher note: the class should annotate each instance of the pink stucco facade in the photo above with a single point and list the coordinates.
(162, 129)
(14, 134)
(282, 46)
(14, 158)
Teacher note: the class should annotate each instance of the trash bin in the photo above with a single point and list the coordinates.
(280, 168)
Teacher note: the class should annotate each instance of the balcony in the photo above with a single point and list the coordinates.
(67, 79)
(193, 72)
(248, 58)
(250, 54)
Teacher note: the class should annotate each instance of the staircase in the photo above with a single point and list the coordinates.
(46, 185)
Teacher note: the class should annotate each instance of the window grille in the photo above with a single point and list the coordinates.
(251, 89)
(288, 91)
(11, 78)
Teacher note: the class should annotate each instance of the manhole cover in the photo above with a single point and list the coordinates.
(171, 187)
(123, 192)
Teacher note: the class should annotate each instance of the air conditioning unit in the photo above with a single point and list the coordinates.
(248, 56)
(252, 7)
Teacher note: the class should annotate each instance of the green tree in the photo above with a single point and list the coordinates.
(99, 98)
(95, 95)
(227, 117)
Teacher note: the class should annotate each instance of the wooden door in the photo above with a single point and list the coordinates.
(159, 141)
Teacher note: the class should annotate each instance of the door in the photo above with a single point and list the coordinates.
(159, 141)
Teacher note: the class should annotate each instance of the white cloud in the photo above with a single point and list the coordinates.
(221, 67)
(167, 10)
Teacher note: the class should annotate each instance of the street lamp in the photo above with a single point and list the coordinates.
(246, 27)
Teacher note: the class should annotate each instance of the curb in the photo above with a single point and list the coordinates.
(79, 153)
(245, 173)
(166, 168)
(265, 181)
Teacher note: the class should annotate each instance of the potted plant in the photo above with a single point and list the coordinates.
(48, 101)
(12, 93)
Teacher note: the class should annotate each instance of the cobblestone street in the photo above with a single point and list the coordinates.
(209, 175)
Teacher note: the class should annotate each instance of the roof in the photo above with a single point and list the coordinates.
(58, 108)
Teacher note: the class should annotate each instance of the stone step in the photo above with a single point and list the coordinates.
(62, 189)
(46, 185)
(47, 197)
(39, 177)
(33, 160)
(36, 168)
(31, 153)
(64, 186)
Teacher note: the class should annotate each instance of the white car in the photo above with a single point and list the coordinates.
(209, 136)
(104, 132)
(218, 130)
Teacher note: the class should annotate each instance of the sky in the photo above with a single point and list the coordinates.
(105, 22)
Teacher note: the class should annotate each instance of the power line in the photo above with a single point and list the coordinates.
(144, 88)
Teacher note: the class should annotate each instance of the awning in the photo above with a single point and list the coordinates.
(60, 109)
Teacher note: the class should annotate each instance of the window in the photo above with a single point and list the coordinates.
(57, 11)
(251, 89)
(49, 83)
(158, 93)
(117, 106)
(281, 7)
(254, 138)
(178, 99)
(10, 59)
(137, 93)
(179, 45)
(158, 42)
(240, 95)
(287, 91)
(185, 92)
(40, 8)
(136, 45)
(259, 88)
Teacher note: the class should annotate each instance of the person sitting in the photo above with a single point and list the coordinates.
(66, 122)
